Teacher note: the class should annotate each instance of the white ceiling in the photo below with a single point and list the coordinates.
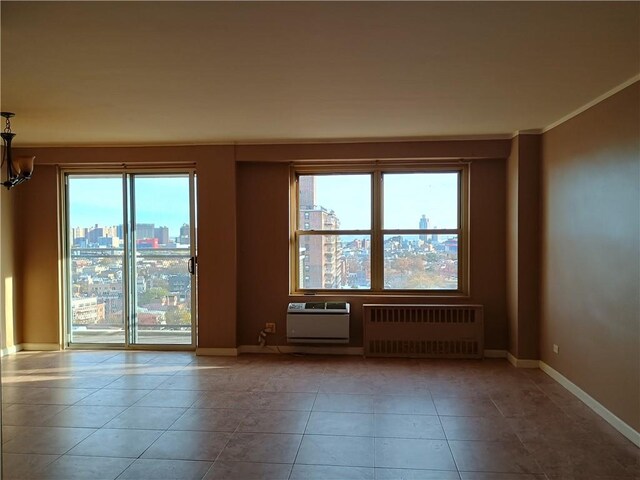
(202, 72)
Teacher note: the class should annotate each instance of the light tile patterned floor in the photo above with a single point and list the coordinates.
(148, 415)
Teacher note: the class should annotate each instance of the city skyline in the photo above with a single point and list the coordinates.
(159, 200)
(406, 198)
(144, 231)
(334, 261)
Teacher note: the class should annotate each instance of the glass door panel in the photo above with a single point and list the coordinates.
(161, 260)
(131, 259)
(96, 283)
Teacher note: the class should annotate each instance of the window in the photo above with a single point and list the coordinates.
(379, 229)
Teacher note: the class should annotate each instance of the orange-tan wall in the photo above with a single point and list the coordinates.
(36, 203)
(590, 285)
(236, 266)
(529, 246)
(10, 334)
(512, 244)
(523, 245)
(37, 256)
(263, 260)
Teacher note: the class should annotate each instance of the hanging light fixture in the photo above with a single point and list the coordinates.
(19, 169)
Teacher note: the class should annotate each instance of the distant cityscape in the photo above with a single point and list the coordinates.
(162, 280)
(147, 236)
(163, 283)
(344, 262)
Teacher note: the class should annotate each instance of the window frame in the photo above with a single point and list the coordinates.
(376, 170)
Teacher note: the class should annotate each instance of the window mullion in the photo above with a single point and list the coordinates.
(447, 249)
(377, 265)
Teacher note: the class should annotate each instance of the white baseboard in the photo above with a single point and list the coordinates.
(220, 352)
(593, 404)
(522, 362)
(495, 354)
(10, 350)
(301, 349)
(40, 346)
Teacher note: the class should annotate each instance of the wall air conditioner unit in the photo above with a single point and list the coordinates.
(318, 322)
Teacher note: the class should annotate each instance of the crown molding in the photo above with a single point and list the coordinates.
(592, 103)
(310, 141)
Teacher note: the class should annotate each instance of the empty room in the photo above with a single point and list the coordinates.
(320, 240)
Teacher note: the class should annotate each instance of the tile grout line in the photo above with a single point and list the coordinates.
(529, 386)
(444, 432)
(104, 388)
(304, 431)
(165, 430)
(221, 450)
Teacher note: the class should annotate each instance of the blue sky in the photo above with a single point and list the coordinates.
(161, 201)
(406, 198)
(164, 200)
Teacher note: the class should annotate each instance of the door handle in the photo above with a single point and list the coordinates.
(192, 265)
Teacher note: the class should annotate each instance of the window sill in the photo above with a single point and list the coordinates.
(391, 294)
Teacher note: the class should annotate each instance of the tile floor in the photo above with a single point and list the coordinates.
(148, 415)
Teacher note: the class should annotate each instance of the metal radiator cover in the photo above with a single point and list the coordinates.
(430, 331)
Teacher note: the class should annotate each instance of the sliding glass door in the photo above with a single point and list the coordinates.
(162, 260)
(130, 244)
(96, 284)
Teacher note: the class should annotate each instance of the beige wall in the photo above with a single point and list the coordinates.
(263, 259)
(372, 150)
(512, 244)
(523, 245)
(228, 288)
(589, 303)
(36, 203)
(10, 328)
(590, 252)
(217, 252)
(529, 246)
(588, 269)
(37, 256)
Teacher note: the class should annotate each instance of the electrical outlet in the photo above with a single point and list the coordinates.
(270, 327)
(556, 349)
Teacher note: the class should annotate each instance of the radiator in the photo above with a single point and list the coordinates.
(440, 331)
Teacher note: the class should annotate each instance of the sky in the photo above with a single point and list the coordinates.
(163, 201)
(406, 198)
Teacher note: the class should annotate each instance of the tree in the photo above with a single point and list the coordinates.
(152, 295)
(177, 316)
